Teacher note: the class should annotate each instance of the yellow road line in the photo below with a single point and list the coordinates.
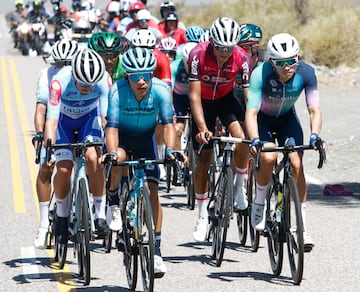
(63, 277)
(17, 182)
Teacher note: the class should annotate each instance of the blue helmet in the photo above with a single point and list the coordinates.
(138, 60)
(193, 33)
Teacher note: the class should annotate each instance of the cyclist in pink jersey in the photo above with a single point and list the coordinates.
(213, 66)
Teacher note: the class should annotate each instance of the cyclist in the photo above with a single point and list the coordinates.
(213, 68)
(171, 28)
(61, 55)
(165, 8)
(78, 103)
(111, 47)
(146, 39)
(275, 86)
(135, 103)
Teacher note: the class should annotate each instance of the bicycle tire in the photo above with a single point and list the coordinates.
(294, 229)
(190, 189)
(274, 232)
(222, 211)
(168, 177)
(254, 234)
(60, 253)
(107, 242)
(146, 233)
(130, 252)
(84, 232)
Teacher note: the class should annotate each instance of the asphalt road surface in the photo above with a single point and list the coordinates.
(333, 265)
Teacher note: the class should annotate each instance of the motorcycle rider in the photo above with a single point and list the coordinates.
(17, 17)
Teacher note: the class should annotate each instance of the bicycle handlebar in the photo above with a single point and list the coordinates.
(224, 139)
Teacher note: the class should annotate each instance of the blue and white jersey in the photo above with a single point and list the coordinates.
(135, 118)
(43, 83)
(66, 99)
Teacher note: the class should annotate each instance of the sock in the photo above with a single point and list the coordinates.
(44, 214)
(62, 209)
(303, 213)
(260, 194)
(202, 201)
(157, 243)
(113, 197)
(240, 176)
(99, 204)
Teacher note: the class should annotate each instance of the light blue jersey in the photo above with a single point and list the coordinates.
(43, 83)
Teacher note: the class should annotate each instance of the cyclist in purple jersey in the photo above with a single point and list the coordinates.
(136, 102)
(275, 86)
(61, 55)
(78, 103)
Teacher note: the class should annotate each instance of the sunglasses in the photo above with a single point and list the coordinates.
(170, 53)
(84, 85)
(289, 62)
(135, 77)
(224, 49)
(109, 56)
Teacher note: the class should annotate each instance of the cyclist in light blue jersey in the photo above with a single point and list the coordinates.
(61, 55)
(136, 103)
(275, 86)
(78, 104)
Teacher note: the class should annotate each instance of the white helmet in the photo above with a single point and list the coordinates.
(114, 7)
(225, 32)
(282, 46)
(186, 49)
(64, 50)
(143, 14)
(88, 67)
(144, 38)
(205, 37)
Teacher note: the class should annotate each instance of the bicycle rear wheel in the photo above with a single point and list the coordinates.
(146, 239)
(222, 212)
(168, 168)
(190, 187)
(251, 186)
(83, 247)
(130, 250)
(294, 229)
(274, 232)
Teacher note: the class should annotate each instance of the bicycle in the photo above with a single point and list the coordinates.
(138, 229)
(221, 203)
(81, 224)
(283, 221)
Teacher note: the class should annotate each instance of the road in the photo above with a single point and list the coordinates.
(333, 265)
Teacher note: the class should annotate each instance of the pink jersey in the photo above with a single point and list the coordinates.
(216, 81)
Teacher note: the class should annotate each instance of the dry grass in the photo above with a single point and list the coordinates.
(327, 30)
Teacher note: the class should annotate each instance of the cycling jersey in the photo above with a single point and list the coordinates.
(180, 78)
(118, 72)
(274, 98)
(162, 70)
(135, 118)
(43, 82)
(217, 82)
(65, 97)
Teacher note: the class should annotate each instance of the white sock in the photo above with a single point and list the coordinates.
(303, 213)
(62, 209)
(100, 204)
(44, 214)
(161, 151)
(202, 202)
(240, 177)
(260, 194)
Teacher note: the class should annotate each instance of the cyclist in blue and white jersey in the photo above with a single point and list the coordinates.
(275, 86)
(61, 55)
(78, 103)
(136, 103)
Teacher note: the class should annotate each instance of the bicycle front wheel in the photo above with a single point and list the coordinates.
(222, 212)
(190, 186)
(146, 239)
(294, 229)
(84, 232)
(274, 232)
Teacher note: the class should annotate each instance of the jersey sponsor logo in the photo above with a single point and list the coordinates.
(55, 93)
(194, 65)
(215, 79)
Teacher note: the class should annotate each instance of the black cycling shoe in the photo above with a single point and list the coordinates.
(61, 229)
(101, 227)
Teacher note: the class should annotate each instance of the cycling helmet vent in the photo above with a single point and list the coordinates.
(138, 60)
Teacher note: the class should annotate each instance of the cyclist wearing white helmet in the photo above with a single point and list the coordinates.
(61, 55)
(274, 89)
(127, 125)
(214, 66)
(78, 103)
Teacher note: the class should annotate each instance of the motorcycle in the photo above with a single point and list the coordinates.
(38, 34)
(23, 37)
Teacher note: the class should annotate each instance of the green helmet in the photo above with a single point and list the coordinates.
(250, 34)
(19, 3)
(103, 42)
